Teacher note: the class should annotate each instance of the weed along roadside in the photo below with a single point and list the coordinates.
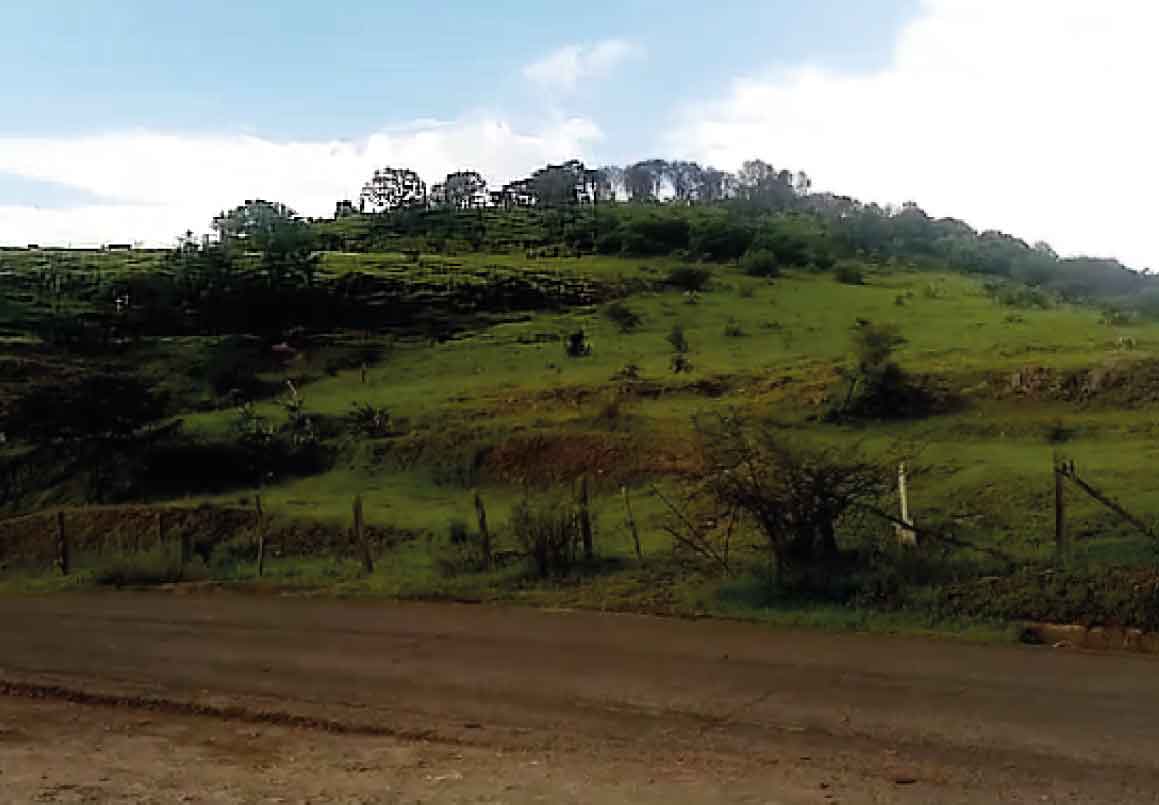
(758, 408)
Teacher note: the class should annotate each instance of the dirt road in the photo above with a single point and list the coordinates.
(509, 705)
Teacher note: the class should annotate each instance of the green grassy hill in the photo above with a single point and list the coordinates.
(498, 407)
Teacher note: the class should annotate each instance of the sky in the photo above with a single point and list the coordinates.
(135, 121)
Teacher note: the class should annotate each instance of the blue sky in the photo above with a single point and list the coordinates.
(303, 69)
(134, 121)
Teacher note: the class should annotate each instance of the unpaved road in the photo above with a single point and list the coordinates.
(219, 698)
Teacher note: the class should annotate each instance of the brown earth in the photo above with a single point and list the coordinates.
(214, 698)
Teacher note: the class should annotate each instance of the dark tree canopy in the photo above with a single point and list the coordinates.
(392, 189)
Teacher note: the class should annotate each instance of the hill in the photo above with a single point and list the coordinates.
(591, 354)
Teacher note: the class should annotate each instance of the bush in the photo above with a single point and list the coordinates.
(760, 263)
(680, 364)
(233, 368)
(720, 240)
(848, 274)
(746, 290)
(148, 569)
(688, 278)
(576, 345)
(733, 329)
(460, 551)
(622, 316)
(678, 340)
(629, 372)
(548, 534)
(369, 420)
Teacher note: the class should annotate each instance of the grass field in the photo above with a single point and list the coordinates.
(504, 410)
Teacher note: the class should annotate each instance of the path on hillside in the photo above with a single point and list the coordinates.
(815, 717)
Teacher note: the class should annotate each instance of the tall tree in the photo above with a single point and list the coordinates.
(392, 189)
(717, 185)
(687, 180)
(255, 221)
(609, 183)
(764, 186)
(643, 179)
(465, 190)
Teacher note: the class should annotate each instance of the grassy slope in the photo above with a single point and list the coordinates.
(991, 459)
(987, 466)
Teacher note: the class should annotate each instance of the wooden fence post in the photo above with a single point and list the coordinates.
(186, 547)
(484, 534)
(360, 536)
(62, 547)
(261, 536)
(364, 373)
(585, 521)
(1060, 536)
(632, 522)
(905, 536)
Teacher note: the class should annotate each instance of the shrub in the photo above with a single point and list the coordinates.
(720, 240)
(630, 372)
(233, 368)
(369, 420)
(576, 345)
(677, 339)
(733, 329)
(548, 534)
(680, 364)
(746, 290)
(878, 387)
(760, 263)
(460, 550)
(848, 274)
(688, 278)
(622, 316)
(148, 569)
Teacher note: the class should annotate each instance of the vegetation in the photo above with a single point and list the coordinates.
(451, 352)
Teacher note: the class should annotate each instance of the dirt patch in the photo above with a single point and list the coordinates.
(31, 540)
(1122, 383)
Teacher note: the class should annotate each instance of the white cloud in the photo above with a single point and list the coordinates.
(1031, 116)
(564, 69)
(159, 185)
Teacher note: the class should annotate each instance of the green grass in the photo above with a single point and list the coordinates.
(984, 471)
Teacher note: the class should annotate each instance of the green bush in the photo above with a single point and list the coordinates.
(576, 345)
(460, 551)
(720, 239)
(688, 278)
(623, 317)
(848, 274)
(147, 569)
(366, 419)
(548, 533)
(760, 263)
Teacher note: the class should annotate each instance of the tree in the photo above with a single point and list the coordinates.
(465, 190)
(392, 189)
(795, 496)
(687, 180)
(93, 420)
(561, 185)
(763, 186)
(254, 222)
(642, 180)
(716, 185)
(609, 183)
